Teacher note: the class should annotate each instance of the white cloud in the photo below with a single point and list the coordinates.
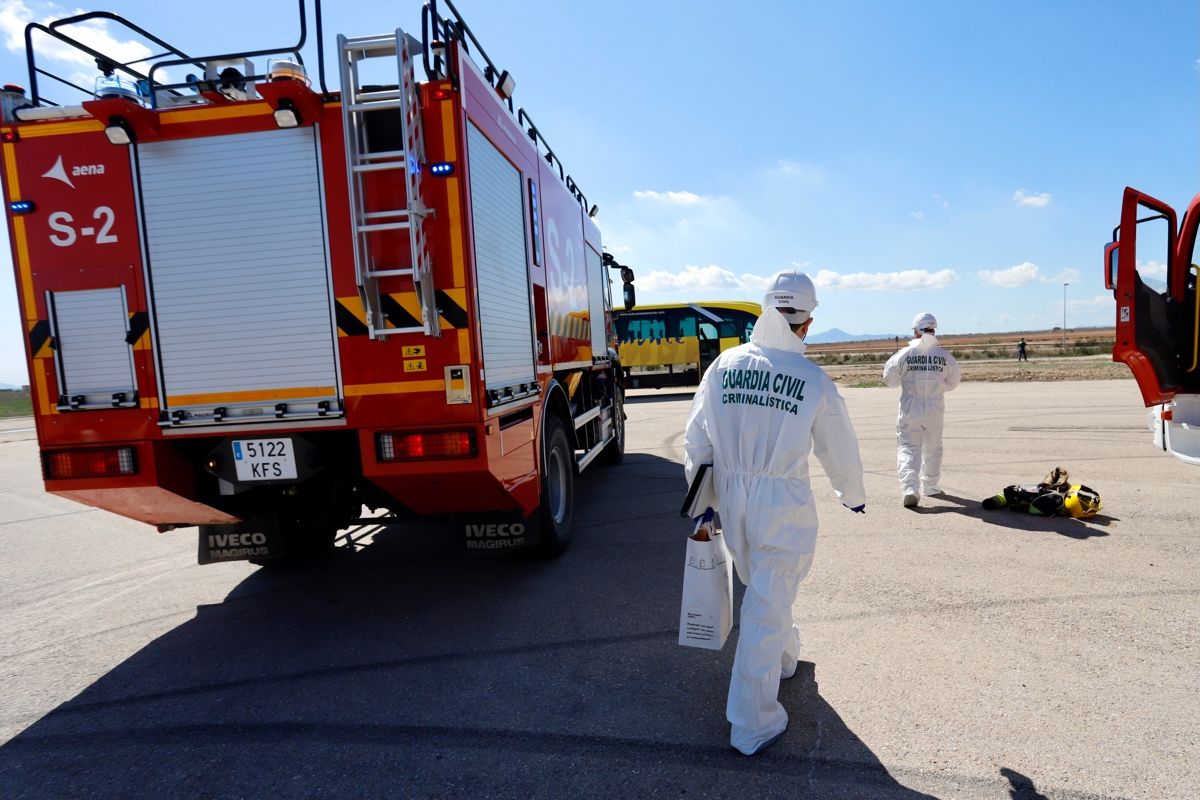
(1153, 269)
(665, 231)
(1024, 198)
(917, 214)
(941, 201)
(1066, 276)
(693, 278)
(1012, 277)
(1100, 301)
(811, 173)
(905, 280)
(670, 198)
(16, 14)
(1099, 309)
(1024, 273)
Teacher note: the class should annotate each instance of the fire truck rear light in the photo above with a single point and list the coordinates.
(118, 131)
(287, 116)
(8, 137)
(442, 168)
(424, 445)
(89, 462)
(441, 94)
(506, 85)
(21, 206)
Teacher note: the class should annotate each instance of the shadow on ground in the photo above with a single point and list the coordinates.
(1017, 520)
(1020, 786)
(407, 670)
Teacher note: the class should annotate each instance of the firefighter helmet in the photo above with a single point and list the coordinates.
(1082, 502)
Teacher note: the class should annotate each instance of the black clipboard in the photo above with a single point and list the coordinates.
(701, 494)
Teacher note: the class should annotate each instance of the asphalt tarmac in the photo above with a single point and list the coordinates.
(949, 651)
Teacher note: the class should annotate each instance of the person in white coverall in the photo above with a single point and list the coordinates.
(760, 410)
(924, 372)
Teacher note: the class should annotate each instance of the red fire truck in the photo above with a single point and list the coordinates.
(1152, 266)
(256, 305)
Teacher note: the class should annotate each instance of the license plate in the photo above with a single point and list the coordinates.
(264, 459)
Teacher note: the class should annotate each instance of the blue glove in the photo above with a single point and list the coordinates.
(862, 509)
(707, 516)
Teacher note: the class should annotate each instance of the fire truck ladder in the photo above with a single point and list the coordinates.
(369, 262)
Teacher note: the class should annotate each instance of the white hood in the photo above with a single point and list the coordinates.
(926, 341)
(772, 330)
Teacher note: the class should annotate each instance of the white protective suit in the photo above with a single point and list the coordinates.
(925, 372)
(759, 411)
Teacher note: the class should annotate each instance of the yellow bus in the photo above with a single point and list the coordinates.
(673, 343)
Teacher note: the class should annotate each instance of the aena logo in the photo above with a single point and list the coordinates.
(59, 173)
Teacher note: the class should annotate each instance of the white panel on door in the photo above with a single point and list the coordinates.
(235, 233)
(498, 221)
(95, 361)
(597, 279)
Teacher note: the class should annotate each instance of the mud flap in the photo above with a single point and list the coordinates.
(492, 533)
(258, 538)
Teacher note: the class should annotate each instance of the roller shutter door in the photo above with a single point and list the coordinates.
(94, 358)
(239, 273)
(498, 222)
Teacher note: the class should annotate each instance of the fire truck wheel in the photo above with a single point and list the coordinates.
(558, 490)
(615, 451)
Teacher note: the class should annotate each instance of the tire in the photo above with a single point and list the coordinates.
(557, 511)
(615, 450)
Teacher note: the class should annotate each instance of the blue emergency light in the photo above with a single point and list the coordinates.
(442, 168)
(21, 206)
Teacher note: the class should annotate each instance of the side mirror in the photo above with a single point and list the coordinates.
(630, 297)
(1111, 251)
(626, 275)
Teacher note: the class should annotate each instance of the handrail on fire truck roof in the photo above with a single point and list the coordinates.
(107, 64)
(294, 50)
(436, 30)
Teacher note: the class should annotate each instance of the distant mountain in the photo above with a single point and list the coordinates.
(8, 387)
(838, 335)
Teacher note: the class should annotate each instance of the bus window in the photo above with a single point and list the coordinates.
(681, 323)
(729, 329)
(645, 328)
(635, 330)
(708, 331)
(687, 326)
(622, 325)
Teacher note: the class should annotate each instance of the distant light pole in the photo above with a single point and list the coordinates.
(1065, 285)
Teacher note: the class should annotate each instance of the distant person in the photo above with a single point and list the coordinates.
(925, 372)
(761, 409)
(1021, 350)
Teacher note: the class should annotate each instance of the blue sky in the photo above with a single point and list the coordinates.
(964, 158)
